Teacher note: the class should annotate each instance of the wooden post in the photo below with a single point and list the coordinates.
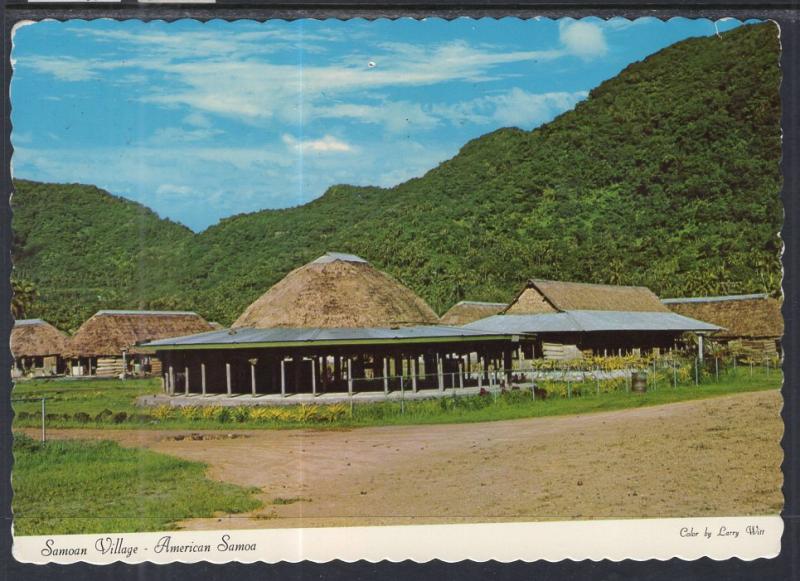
(228, 377)
(700, 347)
(460, 374)
(414, 362)
(203, 377)
(313, 376)
(186, 380)
(349, 376)
(385, 378)
(171, 378)
(481, 362)
(283, 377)
(440, 372)
(253, 378)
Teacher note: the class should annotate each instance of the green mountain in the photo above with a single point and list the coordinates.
(667, 175)
(84, 250)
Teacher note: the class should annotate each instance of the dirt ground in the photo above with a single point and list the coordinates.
(717, 456)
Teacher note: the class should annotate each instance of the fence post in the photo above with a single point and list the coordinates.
(569, 389)
(44, 438)
(630, 381)
(597, 379)
(696, 372)
(655, 379)
(767, 367)
(674, 375)
(716, 368)
(402, 397)
(751, 368)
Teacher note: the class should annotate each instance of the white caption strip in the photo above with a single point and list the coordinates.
(686, 538)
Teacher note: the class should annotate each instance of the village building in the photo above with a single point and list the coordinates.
(108, 343)
(465, 312)
(752, 324)
(335, 325)
(571, 320)
(37, 347)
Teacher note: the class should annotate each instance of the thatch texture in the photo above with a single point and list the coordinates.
(37, 338)
(337, 291)
(111, 332)
(542, 296)
(742, 316)
(469, 311)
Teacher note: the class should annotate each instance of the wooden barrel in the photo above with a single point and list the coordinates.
(639, 382)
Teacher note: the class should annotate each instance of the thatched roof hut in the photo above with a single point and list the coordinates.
(337, 291)
(110, 333)
(755, 316)
(37, 338)
(468, 311)
(547, 296)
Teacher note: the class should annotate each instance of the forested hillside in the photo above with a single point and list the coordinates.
(83, 249)
(667, 176)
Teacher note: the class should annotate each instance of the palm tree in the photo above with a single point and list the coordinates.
(24, 296)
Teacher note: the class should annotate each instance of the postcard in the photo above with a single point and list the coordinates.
(487, 289)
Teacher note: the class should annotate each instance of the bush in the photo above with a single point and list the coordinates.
(161, 412)
(241, 414)
(210, 412)
(103, 415)
(119, 417)
(191, 412)
(82, 417)
(24, 415)
(223, 415)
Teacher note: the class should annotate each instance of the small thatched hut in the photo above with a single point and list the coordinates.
(571, 319)
(467, 311)
(548, 296)
(752, 324)
(107, 344)
(37, 347)
(337, 291)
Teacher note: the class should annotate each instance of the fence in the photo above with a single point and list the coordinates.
(563, 378)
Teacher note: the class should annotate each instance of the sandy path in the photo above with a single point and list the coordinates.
(717, 456)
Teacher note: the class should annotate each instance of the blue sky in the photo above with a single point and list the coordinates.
(200, 121)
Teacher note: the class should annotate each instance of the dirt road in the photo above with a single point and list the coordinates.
(711, 457)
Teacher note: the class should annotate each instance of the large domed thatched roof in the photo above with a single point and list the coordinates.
(336, 291)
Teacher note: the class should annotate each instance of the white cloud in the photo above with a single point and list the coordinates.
(515, 108)
(326, 144)
(179, 134)
(583, 39)
(173, 190)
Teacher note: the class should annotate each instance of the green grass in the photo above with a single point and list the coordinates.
(117, 396)
(89, 396)
(70, 487)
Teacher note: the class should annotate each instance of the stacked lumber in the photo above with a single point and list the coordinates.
(561, 352)
(109, 366)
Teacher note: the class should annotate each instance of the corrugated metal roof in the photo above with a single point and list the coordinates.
(333, 256)
(313, 335)
(590, 321)
(23, 322)
(714, 299)
(135, 312)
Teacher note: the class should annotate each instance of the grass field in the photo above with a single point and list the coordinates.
(66, 487)
(110, 404)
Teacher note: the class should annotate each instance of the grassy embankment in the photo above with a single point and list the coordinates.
(71, 487)
(110, 404)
